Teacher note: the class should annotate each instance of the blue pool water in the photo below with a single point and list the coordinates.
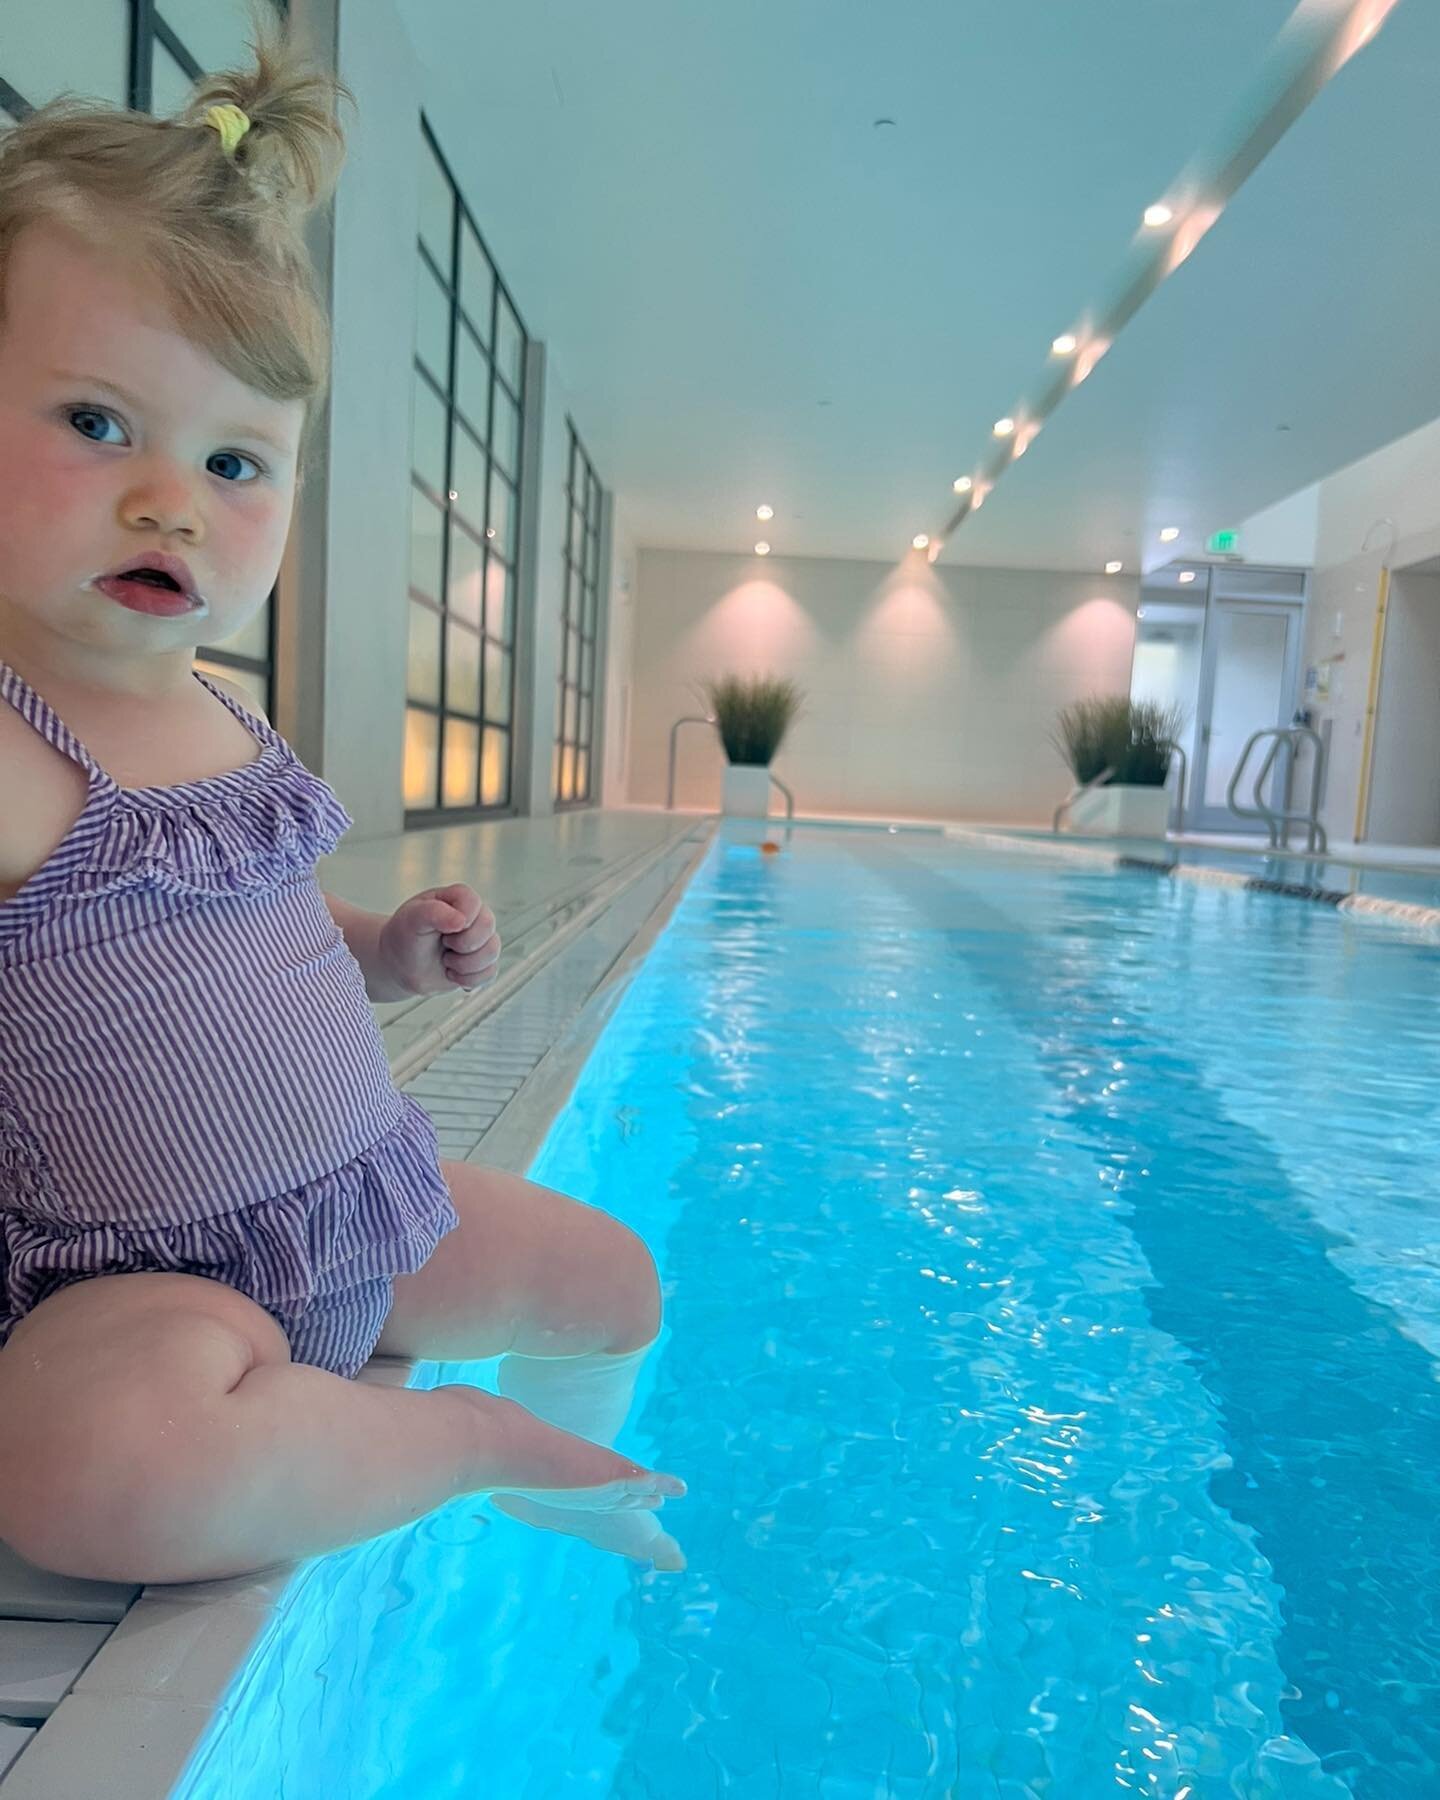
(1052, 1262)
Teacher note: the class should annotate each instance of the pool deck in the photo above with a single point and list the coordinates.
(105, 1689)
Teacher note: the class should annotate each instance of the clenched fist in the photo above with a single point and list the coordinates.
(442, 939)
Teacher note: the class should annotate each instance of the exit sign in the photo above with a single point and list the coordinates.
(1223, 543)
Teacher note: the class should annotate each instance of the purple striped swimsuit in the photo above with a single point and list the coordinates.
(191, 1078)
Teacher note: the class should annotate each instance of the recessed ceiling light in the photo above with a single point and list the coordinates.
(1003, 427)
(962, 484)
(1157, 215)
(454, 494)
(1114, 568)
(765, 512)
(762, 548)
(920, 541)
(1063, 345)
(1087, 359)
(1187, 575)
(1169, 534)
(489, 531)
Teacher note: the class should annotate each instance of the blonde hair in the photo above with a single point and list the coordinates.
(221, 228)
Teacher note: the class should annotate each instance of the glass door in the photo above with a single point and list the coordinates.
(1248, 683)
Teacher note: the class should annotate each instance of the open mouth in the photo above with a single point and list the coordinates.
(155, 577)
(161, 586)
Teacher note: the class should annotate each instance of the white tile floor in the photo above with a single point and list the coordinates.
(572, 895)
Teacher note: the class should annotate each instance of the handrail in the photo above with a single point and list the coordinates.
(789, 797)
(1184, 781)
(1277, 821)
(1084, 788)
(689, 719)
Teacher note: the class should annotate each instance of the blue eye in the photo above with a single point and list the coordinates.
(99, 426)
(230, 465)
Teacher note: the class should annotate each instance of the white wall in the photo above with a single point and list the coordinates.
(620, 661)
(368, 502)
(1383, 511)
(1405, 790)
(1400, 483)
(929, 692)
(1284, 535)
(366, 516)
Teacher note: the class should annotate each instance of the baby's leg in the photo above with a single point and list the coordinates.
(573, 1297)
(153, 1428)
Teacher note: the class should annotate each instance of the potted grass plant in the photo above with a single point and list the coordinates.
(1124, 748)
(752, 715)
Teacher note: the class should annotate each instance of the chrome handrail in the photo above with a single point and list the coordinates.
(1184, 781)
(1084, 788)
(789, 797)
(689, 719)
(1278, 821)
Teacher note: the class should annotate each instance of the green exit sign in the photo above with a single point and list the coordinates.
(1223, 543)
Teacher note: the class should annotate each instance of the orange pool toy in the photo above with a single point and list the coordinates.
(769, 849)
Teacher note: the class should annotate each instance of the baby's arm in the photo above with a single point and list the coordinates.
(438, 941)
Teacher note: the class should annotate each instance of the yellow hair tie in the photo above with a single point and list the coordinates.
(231, 123)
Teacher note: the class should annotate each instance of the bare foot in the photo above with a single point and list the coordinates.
(630, 1531)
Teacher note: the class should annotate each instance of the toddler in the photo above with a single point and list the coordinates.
(214, 1203)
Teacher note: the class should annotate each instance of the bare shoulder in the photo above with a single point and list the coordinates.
(239, 696)
(44, 795)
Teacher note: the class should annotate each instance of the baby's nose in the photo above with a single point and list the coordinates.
(164, 504)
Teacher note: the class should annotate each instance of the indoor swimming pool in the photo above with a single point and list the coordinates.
(1052, 1270)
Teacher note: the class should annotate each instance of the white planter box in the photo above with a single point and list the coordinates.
(1140, 812)
(747, 791)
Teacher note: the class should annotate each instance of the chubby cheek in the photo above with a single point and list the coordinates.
(245, 541)
(51, 520)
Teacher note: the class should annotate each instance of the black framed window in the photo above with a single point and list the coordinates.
(467, 429)
(145, 54)
(580, 632)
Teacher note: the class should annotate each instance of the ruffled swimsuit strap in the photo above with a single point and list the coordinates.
(42, 718)
(253, 723)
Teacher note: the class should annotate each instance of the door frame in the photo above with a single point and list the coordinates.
(1198, 815)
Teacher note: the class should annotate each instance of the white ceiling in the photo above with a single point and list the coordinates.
(694, 208)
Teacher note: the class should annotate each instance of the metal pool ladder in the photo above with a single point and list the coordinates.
(1278, 822)
(709, 719)
(689, 719)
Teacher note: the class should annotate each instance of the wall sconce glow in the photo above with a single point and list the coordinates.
(933, 552)
(1024, 439)
(1169, 534)
(1158, 215)
(764, 512)
(1114, 568)
(920, 541)
(1003, 427)
(454, 493)
(762, 548)
(1187, 575)
(1064, 345)
(489, 531)
(979, 499)
(962, 484)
